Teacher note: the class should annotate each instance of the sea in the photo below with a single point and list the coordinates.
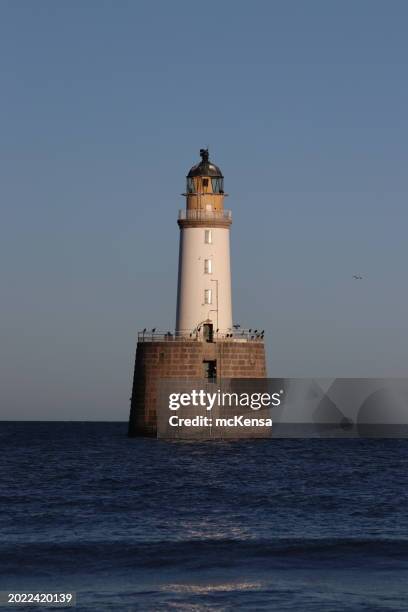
(146, 524)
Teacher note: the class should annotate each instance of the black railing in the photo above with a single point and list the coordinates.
(238, 335)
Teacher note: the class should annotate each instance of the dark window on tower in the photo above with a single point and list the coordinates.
(208, 334)
(205, 182)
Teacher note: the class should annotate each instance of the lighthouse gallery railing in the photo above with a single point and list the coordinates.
(242, 335)
(205, 215)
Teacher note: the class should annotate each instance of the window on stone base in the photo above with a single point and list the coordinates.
(210, 369)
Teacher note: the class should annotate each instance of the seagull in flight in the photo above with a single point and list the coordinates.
(357, 277)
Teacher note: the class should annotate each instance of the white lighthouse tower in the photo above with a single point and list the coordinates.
(204, 275)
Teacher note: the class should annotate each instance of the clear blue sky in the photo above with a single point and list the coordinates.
(104, 106)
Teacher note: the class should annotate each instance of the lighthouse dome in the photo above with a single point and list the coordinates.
(205, 167)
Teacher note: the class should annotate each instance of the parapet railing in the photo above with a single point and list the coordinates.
(238, 335)
(205, 215)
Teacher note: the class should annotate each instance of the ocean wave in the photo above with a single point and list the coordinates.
(194, 554)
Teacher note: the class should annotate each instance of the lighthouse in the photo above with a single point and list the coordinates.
(204, 275)
(206, 345)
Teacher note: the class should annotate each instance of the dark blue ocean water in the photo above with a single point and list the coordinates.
(141, 524)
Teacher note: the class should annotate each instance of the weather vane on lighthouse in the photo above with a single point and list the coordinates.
(205, 345)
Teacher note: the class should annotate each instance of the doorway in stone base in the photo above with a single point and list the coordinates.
(208, 332)
(210, 369)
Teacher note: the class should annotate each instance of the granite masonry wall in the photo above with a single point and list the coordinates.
(183, 360)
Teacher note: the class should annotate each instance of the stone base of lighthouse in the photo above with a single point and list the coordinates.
(184, 359)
